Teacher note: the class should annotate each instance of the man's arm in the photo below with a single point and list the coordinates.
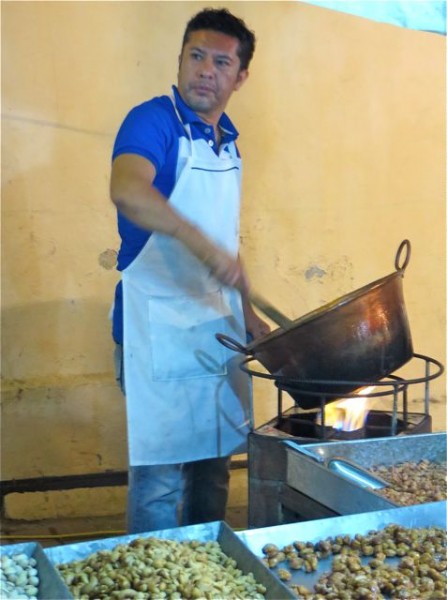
(133, 193)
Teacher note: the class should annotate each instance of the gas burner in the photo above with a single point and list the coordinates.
(377, 424)
(305, 428)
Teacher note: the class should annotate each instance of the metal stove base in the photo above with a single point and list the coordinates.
(270, 500)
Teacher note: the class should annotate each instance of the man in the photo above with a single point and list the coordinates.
(176, 184)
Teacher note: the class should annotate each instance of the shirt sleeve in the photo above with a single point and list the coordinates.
(145, 132)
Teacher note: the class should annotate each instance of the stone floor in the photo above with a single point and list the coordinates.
(56, 532)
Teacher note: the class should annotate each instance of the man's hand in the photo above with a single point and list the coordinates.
(229, 271)
(224, 267)
(254, 325)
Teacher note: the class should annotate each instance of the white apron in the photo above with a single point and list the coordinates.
(187, 398)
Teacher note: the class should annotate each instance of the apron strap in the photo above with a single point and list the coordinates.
(186, 126)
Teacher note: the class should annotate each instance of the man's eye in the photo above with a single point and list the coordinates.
(222, 63)
(196, 55)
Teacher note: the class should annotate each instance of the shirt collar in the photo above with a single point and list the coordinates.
(189, 116)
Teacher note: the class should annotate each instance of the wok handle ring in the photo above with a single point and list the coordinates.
(404, 245)
(231, 344)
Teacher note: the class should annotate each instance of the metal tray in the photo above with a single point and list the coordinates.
(216, 531)
(345, 497)
(51, 584)
(432, 514)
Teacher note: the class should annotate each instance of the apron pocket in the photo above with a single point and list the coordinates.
(181, 331)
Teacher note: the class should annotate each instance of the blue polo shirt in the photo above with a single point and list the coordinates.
(152, 130)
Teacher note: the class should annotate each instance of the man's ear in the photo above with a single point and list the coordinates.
(242, 77)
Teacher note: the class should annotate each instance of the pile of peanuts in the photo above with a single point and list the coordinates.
(19, 578)
(413, 482)
(151, 567)
(361, 568)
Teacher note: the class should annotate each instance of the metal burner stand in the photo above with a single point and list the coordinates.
(267, 463)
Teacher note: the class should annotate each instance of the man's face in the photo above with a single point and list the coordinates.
(209, 72)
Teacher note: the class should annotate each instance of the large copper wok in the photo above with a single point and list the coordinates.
(361, 337)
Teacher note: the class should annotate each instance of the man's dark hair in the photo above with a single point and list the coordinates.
(220, 19)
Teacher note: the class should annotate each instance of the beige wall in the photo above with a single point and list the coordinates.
(343, 132)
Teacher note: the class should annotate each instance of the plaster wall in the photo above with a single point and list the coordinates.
(342, 127)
